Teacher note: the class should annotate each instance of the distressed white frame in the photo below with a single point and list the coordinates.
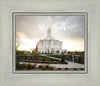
(14, 14)
(7, 78)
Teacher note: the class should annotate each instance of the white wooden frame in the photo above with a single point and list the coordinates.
(14, 14)
(7, 78)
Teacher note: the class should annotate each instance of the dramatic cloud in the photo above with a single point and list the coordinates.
(69, 29)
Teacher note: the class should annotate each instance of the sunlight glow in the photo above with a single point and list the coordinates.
(67, 29)
(73, 46)
(27, 44)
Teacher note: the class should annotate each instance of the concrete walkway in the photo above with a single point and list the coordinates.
(72, 63)
(69, 65)
(50, 57)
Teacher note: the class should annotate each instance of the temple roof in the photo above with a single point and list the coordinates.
(49, 36)
(49, 29)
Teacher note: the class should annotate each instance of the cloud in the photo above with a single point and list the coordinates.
(63, 27)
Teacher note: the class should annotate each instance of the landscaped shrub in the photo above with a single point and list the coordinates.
(30, 66)
(43, 59)
(59, 69)
(20, 67)
(75, 68)
(33, 66)
(47, 66)
(43, 67)
(81, 68)
(66, 68)
(52, 67)
(40, 66)
(64, 62)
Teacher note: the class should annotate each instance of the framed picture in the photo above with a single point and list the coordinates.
(50, 42)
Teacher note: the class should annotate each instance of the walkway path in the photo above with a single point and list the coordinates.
(69, 65)
(50, 57)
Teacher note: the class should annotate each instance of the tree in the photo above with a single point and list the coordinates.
(17, 45)
(18, 42)
(35, 50)
(62, 59)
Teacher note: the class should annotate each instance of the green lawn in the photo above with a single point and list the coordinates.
(24, 54)
(56, 56)
(43, 56)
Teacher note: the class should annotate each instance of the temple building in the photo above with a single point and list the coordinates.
(50, 45)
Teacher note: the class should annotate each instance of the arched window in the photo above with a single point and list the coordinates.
(57, 51)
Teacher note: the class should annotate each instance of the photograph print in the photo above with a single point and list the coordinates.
(49, 42)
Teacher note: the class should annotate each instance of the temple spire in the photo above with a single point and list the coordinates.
(49, 32)
(49, 29)
(49, 35)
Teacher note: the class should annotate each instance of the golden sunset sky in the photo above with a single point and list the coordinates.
(68, 29)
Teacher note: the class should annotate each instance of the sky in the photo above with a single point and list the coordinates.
(68, 29)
